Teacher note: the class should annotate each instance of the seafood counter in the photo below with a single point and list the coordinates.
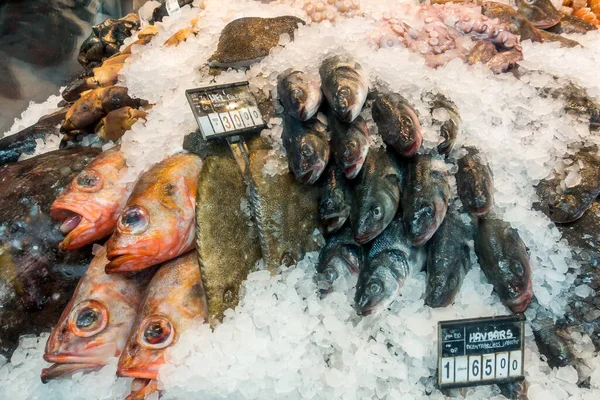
(421, 162)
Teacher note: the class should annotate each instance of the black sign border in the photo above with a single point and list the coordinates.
(237, 132)
(520, 318)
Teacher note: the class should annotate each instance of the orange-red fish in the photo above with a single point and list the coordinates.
(90, 205)
(157, 223)
(96, 323)
(175, 297)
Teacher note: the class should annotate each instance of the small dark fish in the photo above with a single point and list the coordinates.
(300, 93)
(424, 199)
(350, 144)
(398, 123)
(570, 24)
(541, 13)
(504, 259)
(569, 204)
(475, 183)
(550, 338)
(307, 148)
(448, 260)
(451, 127)
(335, 203)
(341, 256)
(344, 85)
(390, 261)
(377, 195)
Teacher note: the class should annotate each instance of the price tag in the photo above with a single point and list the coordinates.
(225, 110)
(172, 7)
(480, 351)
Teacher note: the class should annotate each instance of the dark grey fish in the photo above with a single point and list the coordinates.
(568, 204)
(307, 147)
(299, 93)
(398, 123)
(504, 259)
(448, 260)
(424, 198)
(336, 200)
(514, 390)
(349, 144)
(475, 183)
(451, 127)
(341, 256)
(390, 261)
(377, 194)
(577, 102)
(344, 85)
(550, 337)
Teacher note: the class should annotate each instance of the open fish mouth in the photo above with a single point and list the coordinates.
(70, 222)
(549, 23)
(521, 302)
(421, 239)
(63, 369)
(334, 222)
(353, 169)
(137, 373)
(124, 263)
(367, 237)
(312, 175)
(412, 149)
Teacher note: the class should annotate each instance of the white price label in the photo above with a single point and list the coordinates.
(172, 7)
(237, 119)
(447, 370)
(514, 364)
(227, 122)
(474, 368)
(488, 366)
(501, 365)
(255, 114)
(216, 123)
(461, 368)
(206, 126)
(246, 118)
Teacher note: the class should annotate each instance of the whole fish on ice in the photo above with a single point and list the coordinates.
(336, 200)
(349, 144)
(341, 256)
(475, 183)
(300, 93)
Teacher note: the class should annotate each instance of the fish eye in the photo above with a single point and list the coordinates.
(452, 283)
(428, 210)
(133, 220)
(297, 93)
(530, 2)
(407, 121)
(307, 150)
(88, 318)
(156, 332)
(373, 288)
(352, 144)
(330, 275)
(88, 181)
(519, 269)
(344, 92)
(377, 213)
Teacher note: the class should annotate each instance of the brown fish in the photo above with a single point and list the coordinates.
(541, 13)
(157, 223)
(517, 23)
(95, 324)
(117, 122)
(174, 298)
(570, 24)
(102, 76)
(90, 205)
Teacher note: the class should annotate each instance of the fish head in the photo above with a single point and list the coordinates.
(355, 149)
(424, 217)
(564, 208)
(377, 285)
(409, 131)
(84, 112)
(515, 274)
(334, 210)
(443, 286)
(309, 162)
(89, 206)
(346, 261)
(300, 94)
(374, 215)
(541, 13)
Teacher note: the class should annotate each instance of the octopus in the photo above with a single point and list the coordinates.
(587, 10)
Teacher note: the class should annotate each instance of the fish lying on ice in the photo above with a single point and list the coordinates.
(336, 200)
(300, 93)
(475, 183)
(349, 144)
(341, 256)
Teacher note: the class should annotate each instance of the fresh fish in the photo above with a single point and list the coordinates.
(300, 93)
(307, 148)
(550, 337)
(514, 390)
(504, 259)
(577, 102)
(475, 183)
(344, 85)
(227, 246)
(564, 201)
(341, 256)
(37, 279)
(571, 24)
(448, 260)
(286, 212)
(377, 194)
(390, 261)
(117, 122)
(424, 198)
(555, 37)
(102, 76)
(451, 127)
(174, 298)
(583, 236)
(398, 123)
(89, 207)
(157, 223)
(336, 201)
(541, 13)
(350, 144)
(95, 324)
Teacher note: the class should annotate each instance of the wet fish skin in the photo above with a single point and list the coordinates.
(390, 261)
(84, 112)
(341, 256)
(174, 298)
(504, 259)
(95, 324)
(424, 198)
(157, 223)
(475, 183)
(349, 144)
(573, 202)
(300, 93)
(571, 24)
(448, 261)
(376, 195)
(344, 85)
(398, 123)
(541, 13)
(90, 205)
(307, 148)
(336, 200)
(450, 128)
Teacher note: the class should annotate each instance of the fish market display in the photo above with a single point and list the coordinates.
(300, 93)
(336, 200)
(227, 247)
(344, 85)
(425, 196)
(174, 298)
(157, 223)
(474, 183)
(89, 207)
(349, 144)
(95, 324)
